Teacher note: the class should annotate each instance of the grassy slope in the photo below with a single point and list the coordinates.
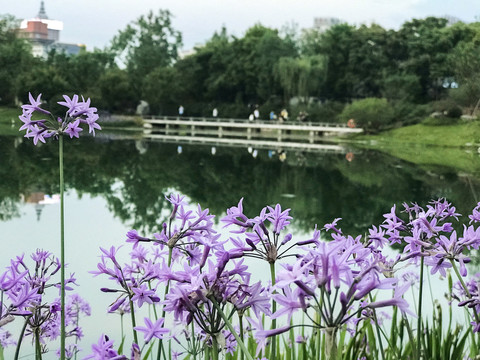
(9, 117)
(454, 146)
(462, 134)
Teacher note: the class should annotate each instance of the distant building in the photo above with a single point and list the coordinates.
(182, 54)
(44, 35)
(322, 24)
(451, 20)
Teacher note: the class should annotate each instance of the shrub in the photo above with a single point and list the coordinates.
(372, 114)
(407, 113)
(454, 112)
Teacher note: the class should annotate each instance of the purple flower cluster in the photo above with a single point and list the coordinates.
(336, 283)
(429, 234)
(469, 297)
(257, 241)
(200, 271)
(23, 291)
(78, 112)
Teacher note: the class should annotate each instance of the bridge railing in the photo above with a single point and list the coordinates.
(245, 121)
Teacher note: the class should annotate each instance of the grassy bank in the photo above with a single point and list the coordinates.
(9, 122)
(454, 146)
(460, 134)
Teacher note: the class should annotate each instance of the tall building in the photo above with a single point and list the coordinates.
(44, 34)
(322, 24)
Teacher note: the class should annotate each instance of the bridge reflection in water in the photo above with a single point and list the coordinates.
(258, 134)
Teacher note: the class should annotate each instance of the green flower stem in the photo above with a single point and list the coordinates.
(134, 324)
(419, 312)
(377, 326)
(318, 345)
(193, 342)
(62, 249)
(410, 334)
(274, 321)
(38, 347)
(232, 330)
(207, 353)
(331, 343)
(20, 338)
(160, 341)
(240, 323)
(460, 278)
(214, 348)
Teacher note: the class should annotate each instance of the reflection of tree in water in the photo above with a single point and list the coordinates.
(321, 189)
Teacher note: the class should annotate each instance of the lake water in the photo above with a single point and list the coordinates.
(118, 182)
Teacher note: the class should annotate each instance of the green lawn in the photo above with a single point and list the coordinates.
(454, 146)
(458, 135)
(9, 122)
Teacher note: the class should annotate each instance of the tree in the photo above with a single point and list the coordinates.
(15, 59)
(82, 71)
(425, 44)
(161, 90)
(302, 77)
(44, 79)
(335, 45)
(147, 43)
(117, 93)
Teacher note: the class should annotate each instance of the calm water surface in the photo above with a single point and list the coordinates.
(115, 184)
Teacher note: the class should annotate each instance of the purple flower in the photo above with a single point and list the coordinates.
(37, 133)
(34, 105)
(73, 129)
(152, 330)
(72, 104)
(333, 226)
(289, 302)
(279, 219)
(144, 295)
(103, 349)
(397, 301)
(475, 216)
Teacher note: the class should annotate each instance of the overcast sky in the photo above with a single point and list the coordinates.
(95, 22)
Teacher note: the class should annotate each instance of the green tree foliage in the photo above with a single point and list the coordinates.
(161, 90)
(425, 45)
(44, 79)
(81, 71)
(404, 87)
(15, 58)
(147, 43)
(302, 77)
(116, 91)
(465, 60)
(335, 44)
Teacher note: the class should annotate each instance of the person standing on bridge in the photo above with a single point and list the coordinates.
(215, 112)
(256, 113)
(181, 110)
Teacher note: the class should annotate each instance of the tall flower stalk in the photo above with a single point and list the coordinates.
(62, 246)
(78, 112)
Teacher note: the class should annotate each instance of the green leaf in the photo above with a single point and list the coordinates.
(458, 351)
(341, 343)
(148, 351)
(120, 348)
